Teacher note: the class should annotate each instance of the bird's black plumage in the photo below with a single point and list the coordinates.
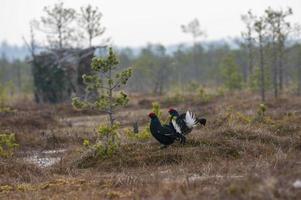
(165, 134)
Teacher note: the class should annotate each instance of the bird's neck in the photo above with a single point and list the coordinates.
(156, 121)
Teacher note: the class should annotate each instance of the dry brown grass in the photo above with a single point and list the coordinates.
(233, 157)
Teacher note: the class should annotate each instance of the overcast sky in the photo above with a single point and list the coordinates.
(137, 22)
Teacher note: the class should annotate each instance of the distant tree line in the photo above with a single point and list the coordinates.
(267, 58)
(215, 65)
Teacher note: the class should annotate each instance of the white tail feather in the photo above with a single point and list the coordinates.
(190, 119)
(176, 126)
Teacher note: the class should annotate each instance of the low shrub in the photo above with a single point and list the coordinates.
(142, 136)
(7, 144)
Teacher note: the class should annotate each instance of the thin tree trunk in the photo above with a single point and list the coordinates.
(274, 69)
(60, 40)
(110, 112)
(262, 82)
(194, 58)
(250, 58)
(60, 34)
(111, 100)
(90, 41)
(280, 65)
(280, 75)
(299, 75)
(299, 79)
(18, 78)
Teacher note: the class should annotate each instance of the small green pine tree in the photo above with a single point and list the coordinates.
(7, 144)
(104, 82)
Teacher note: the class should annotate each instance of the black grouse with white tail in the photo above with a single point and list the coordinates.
(185, 122)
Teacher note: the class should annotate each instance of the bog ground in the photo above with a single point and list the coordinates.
(238, 155)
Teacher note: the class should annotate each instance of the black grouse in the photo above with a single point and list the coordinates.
(185, 122)
(165, 134)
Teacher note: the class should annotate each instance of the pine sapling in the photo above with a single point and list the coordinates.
(105, 84)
